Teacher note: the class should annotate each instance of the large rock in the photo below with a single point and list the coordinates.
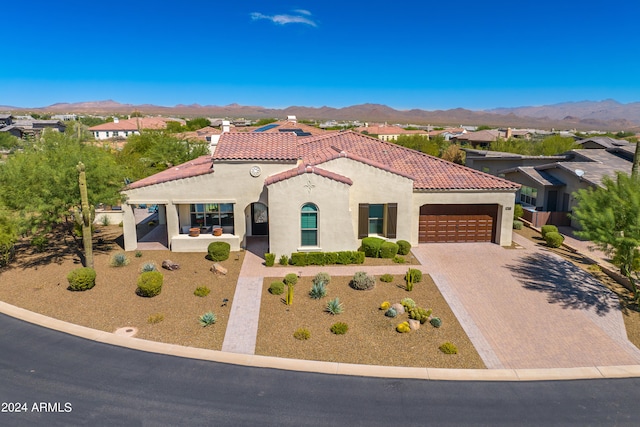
(414, 324)
(170, 265)
(218, 269)
(399, 308)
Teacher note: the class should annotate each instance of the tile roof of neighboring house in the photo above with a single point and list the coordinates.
(134, 124)
(256, 146)
(604, 141)
(488, 135)
(199, 166)
(284, 126)
(388, 130)
(201, 134)
(539, 176)
(302, 169)
(497, 155)
(427, 172)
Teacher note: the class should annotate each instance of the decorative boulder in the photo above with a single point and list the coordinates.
(414, 324)
(218, 269)
(399, 308)
(170, 265)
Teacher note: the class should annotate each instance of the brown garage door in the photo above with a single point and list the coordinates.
(457, 223)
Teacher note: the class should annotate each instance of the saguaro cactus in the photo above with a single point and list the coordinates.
(85, 217)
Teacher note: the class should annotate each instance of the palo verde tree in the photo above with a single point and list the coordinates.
(40, 183)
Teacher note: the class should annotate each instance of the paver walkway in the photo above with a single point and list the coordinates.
(528, 308)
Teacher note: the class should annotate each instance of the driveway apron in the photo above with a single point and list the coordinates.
(528, 308)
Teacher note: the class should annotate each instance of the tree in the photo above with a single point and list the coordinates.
(609, 216)
(198, 123)
(40, 183)
(454, 154)
(8, 141)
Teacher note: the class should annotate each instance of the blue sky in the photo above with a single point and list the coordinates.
(406, 54)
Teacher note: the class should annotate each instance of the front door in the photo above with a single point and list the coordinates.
(259, 220)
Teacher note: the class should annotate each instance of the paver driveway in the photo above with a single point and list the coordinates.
(528, 308)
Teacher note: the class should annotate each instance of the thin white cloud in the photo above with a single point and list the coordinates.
(301, 17)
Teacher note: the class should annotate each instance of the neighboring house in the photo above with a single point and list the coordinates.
(321, 193)
(34, 128)
(548, 182)
(480, 138)
(448, 133)
(124, 128)
(6, 120)
(388, 132)
(289, 125)
(13, 130)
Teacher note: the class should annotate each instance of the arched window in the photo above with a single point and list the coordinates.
(309, 225)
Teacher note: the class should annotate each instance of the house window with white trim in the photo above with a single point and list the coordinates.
(213, 215)
(309, 225)
(528, 195)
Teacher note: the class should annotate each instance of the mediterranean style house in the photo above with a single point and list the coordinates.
(320, 193)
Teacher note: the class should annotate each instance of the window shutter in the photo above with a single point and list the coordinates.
(363, 220)
(392, 220)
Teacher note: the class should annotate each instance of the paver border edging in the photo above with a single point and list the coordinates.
(595, 372)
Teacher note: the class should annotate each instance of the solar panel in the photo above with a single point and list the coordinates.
(267, 127)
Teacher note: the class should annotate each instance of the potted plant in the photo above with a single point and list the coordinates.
(194, 232)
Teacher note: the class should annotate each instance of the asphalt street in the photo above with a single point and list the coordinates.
(58, 379)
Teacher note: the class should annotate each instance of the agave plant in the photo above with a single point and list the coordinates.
(119, 260)
(334, 306)
(149, 266)
(208, 319)
(318, 290)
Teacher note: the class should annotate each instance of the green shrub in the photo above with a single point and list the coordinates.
(448, 348)
(299, 259)
(315, 258)
(371, 246)
(357, 257)
(150, 284)
(138, 254)
(284, 260)
(302, 334)
(330, 258)
(202, 291)
(207, 319)
(334, 306)
(269, 259)
(387, 278)
(388, 250)
(81, 279)
(218, 251)
(436, 322)
(40, 242)
(408, 303)
(415, 274)
(322, 278)
(518, 212)
(155, 318)
(404, 247)
(119, 260)
(403, 327)
(399, 260)
(553, 239)
(419, 314)
(548, 228)
(8, 239)
(391, 312)
(148, 266)
(517, 224)
(339, 328)
(290, 279)
(344, 258)
(318, 290)
(276, 288)
(362, 281)
(105, 220)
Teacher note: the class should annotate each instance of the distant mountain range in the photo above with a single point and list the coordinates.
(584, 115)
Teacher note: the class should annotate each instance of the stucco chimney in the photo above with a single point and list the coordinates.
(292, 119)
(509, 133)
(116, 120)
(226, 126)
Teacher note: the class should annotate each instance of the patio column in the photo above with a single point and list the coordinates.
(172, 220)
(129, 228)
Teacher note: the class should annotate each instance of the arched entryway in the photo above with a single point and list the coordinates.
(259, 219)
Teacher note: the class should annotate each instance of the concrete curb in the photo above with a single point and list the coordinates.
(594, 372)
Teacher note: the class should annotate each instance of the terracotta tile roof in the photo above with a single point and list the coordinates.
(199, 166)
(134, 124)
(488, 135)
(284, 126)
(388, 130)
(256, 146)
(302, 169)
(200, 134)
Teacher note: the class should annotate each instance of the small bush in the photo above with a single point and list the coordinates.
(553, 239)
(81, 279)
(362, 281)
(148, 266)
(119, 260)
(318, 290)
(331, 258)
(138, 254)
(517, 224)
(207, 319)
(290, 279)
(399, 260)
(403, 327)
(276, 288)
(269, 259)
(302, 334)
(388, 250)
(150, 284)
(315, 258)
(518, 212)
(218, 251)
(436, 322)
(339, 328)
(105, 220)
(299, 259)
(419, 314)
(385, 306)
(547, 229)
(448, 348)
(594, 268)
(322, 278)
(40, 242)
(408, 303)
(155, 318)
(284, 260)
(391, 312)
(415, 274)
(404, 247)
(386, 278)
(334, 306)
(202, 291)
(371, 246)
